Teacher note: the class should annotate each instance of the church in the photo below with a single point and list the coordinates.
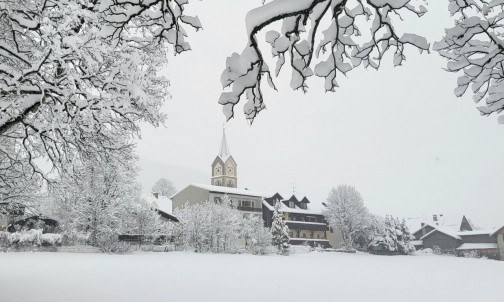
(224, 181)
(306, 225)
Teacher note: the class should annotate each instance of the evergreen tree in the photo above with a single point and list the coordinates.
(404, 244)
(279, 231)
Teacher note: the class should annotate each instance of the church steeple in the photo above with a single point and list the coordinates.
(224, 149)
(224, 171)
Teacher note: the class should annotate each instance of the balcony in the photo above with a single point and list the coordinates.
(249, 209)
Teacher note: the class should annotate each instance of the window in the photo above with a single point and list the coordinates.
(230, 183)
(291, 204)
(304, 235)
(291, 234)
(318, 236)
(217, 199)
(217, 183)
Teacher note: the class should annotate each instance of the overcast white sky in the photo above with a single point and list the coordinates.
(398, 134)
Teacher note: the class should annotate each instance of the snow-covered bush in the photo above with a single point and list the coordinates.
(471, 254)
(436, 250)
(29, 240)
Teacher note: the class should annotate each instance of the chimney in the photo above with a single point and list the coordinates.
(156, 195)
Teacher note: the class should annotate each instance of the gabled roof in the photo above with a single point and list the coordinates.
(293, 198)
(496, 231)
(224, 190)
(447, 233)
(305, 200)
(277, 196)
(472, 233)
(466, 224)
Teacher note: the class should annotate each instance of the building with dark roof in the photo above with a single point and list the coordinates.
(306, 225)
(488, 243)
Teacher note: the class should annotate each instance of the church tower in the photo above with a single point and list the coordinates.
(224, 171)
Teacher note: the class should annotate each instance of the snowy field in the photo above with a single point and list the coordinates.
(150, 277)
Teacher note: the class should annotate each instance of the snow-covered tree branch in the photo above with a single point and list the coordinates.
(77, 76)
(474, 48)
(334, 36)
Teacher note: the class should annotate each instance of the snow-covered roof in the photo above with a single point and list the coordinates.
(471, 233)
(296, 209)
(448, 233)
(225, 190)
(496, 230)
(477, 246)
(448, 223)
(161, 203)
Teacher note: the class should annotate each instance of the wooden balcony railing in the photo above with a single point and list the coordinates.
(249, 209)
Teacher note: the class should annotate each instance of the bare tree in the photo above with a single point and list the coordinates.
(346, 212)
(164, 187)
(474, 48)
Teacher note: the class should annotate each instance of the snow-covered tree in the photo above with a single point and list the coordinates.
(209, 226)
(143, 220)
(76, 73)
(404, 238)
(225, 225)
(257, 237)
(279, 231)
(164, 187)
(474, 49)
(97, 199)
(326, 38)
(345, 211)
(193, 226)
(394, 238)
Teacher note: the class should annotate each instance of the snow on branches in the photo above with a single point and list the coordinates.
(346, 212)
(474, 47)
(279, 231)
(356, 32)
(77, 75)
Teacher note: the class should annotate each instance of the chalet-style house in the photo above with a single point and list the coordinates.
(306, 225)
(461, 239)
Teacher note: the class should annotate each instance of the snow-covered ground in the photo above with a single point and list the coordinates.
(177, 276)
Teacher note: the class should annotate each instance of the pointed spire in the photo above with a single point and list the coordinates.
(224, 149)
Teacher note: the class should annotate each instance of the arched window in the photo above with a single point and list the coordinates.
(217, 183)
(230, 183)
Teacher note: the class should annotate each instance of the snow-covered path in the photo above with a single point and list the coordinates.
(152, 277)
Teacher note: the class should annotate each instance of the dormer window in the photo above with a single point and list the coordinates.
(291, 204)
